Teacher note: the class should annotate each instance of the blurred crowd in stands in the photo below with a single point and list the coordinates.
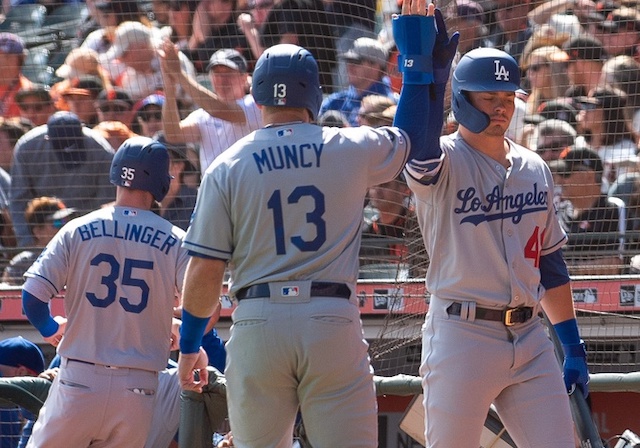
(79, 78)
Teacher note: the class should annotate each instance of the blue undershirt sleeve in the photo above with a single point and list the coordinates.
(553, 270)
(420, 114)
(38, 314)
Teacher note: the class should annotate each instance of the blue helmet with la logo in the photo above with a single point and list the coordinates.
(287, 75)
(481, 70)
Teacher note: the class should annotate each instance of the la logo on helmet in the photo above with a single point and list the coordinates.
(502, 74)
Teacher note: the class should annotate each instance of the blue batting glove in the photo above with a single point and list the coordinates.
(444, 50)
(575, 370)
(414, 36)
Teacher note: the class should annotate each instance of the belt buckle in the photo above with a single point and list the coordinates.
(508, 319)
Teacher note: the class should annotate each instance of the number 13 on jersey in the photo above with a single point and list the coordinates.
(313, 217)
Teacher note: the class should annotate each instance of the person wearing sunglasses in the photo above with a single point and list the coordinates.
(45, 216)
(554, 137)
(149, 115)
(114, 104)
(35, 104)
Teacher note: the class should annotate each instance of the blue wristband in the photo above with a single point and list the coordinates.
(191, 332)
(567, 332)
(575, 350)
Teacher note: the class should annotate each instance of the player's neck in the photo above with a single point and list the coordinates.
(492, 146)
(126, 197)
(277, 116)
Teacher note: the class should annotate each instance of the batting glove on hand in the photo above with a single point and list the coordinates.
(575, 370)
(444, 50)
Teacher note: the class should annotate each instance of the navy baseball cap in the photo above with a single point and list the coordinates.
(64, 131)
(11, 44)
(18, 351)
(228, 57)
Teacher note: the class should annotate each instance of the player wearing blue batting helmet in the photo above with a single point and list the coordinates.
(287, 75)
(481, 70)
(143, 164)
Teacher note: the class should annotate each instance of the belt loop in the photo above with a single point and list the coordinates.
(464, 311)
(471, 311)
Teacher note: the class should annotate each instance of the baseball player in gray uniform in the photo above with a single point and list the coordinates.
(485, 208)
(283, 209)
(122, 267)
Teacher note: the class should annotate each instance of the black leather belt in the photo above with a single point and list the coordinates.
(318, 289)
(509, 317)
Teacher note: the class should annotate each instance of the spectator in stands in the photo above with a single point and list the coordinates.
(215, 27)
(180, 22)
(604, 125)
(134, 64)
(376, 110)
(350, 21)
(18, 357)
(558, 109)
(78, 63)
(80, 96)
(149, 115)
(623, 72)
(390, 234)
(304, 23)
(513, 28)
(468, 18)
(553, 138)
(586, 56)
(568, 16)
(35, 104)
(11, 129)
(114, 104)
(226, 114)
(177, 205)
(110, 14)
(546, 73)
(12, 56)
(115, 132)
(366, 64)
(620, 31)
(593, 222)
(44, 216)
(251, 22)
(333, 118)
(62, 159)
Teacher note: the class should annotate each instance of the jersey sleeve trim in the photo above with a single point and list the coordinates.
(204, 251)
(40, 286)
(554, 247)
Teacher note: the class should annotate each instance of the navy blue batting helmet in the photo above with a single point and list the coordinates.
(143, 164)
(481, 70)
(287, 75)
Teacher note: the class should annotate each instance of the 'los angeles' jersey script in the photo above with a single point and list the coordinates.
(486, 226)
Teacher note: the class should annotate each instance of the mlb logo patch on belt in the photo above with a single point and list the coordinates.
(290, 291)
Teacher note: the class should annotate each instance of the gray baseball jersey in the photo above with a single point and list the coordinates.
(304, 180)
(122, 268)
(484, 231)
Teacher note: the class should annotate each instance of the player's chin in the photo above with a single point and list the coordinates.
(496, 129)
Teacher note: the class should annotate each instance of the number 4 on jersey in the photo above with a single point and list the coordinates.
(534, 246)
